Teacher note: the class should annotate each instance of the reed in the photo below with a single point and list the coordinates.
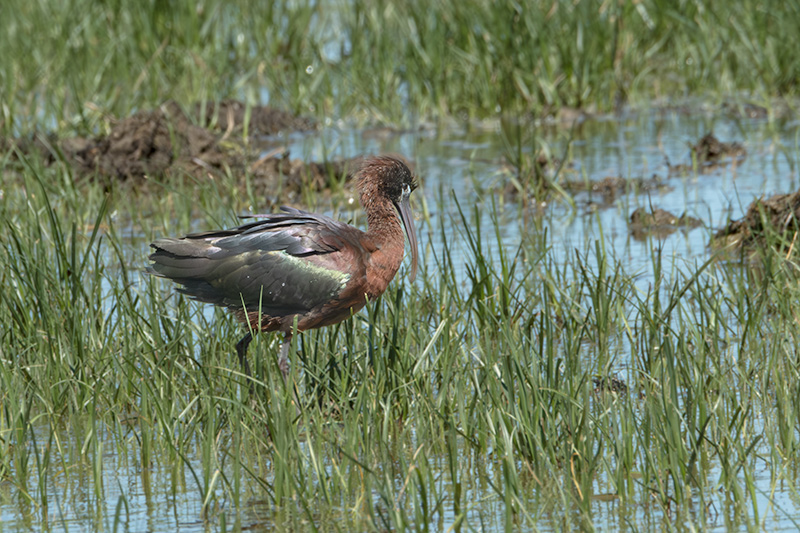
(384, 62)
(512, 387)
(484, 394)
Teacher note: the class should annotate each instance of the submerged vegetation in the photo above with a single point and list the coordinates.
(502, 388)
(511, 387)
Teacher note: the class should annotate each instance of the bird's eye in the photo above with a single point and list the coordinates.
(406, 189)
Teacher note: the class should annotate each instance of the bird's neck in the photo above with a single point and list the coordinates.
(385, 231)
(383, 224)
(383, 227)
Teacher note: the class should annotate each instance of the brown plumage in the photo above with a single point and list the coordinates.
(296, 265)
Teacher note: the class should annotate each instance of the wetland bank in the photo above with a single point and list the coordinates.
(603, 331)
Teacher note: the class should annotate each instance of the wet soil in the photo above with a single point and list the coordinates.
(609, 384)
(747, 110)
(231, 116)
(659, 223)
(611, 188)
(773, 220)
(158, 143)
(710, 154)
(541, 183)
(709, 149)
(147, 143)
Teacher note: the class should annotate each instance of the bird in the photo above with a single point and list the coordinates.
(294, 270)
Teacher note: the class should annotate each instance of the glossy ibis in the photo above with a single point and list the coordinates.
(294, 271)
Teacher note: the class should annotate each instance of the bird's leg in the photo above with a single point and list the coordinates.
(283, 364)
(283, 357)
(241, 351)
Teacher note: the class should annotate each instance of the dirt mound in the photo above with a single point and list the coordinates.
(610, 188)
(540, 176)
(659, 222)
(230, 115)
(149, 142)
(165, 140)
(710, 154)
(292, 176)
(745, 110)
(709, 149)
(777, 216)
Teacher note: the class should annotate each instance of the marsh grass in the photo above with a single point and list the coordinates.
(469, 399)
(476, 398)
(384, 61)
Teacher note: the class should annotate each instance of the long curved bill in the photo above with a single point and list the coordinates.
(408, 223)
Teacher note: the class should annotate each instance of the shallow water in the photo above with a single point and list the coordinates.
(450, 165)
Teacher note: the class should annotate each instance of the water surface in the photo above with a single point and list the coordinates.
(467, 167)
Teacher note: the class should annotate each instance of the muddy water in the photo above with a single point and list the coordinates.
(469, 166)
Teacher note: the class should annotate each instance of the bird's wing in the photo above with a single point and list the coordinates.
(280, 264)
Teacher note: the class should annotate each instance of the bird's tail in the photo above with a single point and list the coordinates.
(189, 263)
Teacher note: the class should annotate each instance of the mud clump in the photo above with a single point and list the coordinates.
(538, 177)
(611, 188)
(297, 176)
(164, 141)
(231, 115)
(609, 384)
(711, 150)
(659, 222)
(143, 144)
(745, 110)
(710, 154)
(775, 219)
